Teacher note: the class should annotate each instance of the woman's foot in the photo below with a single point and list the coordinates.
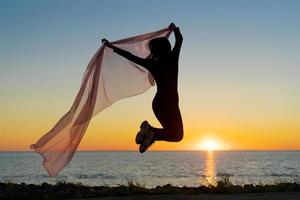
(140, 136)
(147, 142)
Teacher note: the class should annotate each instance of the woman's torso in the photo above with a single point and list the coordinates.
(165, 74)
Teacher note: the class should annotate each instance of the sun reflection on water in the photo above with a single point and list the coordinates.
(209, 170)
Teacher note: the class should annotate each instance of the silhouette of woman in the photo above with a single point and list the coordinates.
(162, 63)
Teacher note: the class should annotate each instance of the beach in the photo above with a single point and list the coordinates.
(179, 175)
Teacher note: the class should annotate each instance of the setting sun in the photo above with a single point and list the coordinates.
(209, 145)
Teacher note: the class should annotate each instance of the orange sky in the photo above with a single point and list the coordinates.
(241, 128)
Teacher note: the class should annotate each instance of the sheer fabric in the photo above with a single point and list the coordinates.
(108, 78)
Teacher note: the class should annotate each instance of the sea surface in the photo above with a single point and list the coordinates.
(156, 168)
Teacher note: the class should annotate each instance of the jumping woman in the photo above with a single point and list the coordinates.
(162, 63)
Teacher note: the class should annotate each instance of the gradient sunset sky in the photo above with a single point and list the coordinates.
(239, 79)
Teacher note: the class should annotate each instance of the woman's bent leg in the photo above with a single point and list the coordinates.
(171, 122)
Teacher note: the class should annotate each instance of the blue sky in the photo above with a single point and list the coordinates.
(225, 34)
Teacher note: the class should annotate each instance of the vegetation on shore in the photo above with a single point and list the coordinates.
(65, 190)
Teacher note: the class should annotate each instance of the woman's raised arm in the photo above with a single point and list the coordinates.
(178, 41)
(140, 61)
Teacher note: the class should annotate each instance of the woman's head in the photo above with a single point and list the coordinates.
(159, 47)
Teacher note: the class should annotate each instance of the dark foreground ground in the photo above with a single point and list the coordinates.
(254, 196)
(221, 191)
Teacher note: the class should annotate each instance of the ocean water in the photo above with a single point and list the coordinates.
(156, 168)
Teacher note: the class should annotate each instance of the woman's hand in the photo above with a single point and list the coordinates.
(106, 42)
(172, 26)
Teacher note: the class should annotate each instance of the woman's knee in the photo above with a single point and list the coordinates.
(177, 134)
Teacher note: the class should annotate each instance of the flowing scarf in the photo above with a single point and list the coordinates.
(107, 78)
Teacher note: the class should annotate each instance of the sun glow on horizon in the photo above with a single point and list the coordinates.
(209, 145)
